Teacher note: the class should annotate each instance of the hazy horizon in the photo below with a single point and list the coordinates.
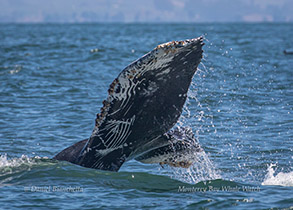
(139, 11)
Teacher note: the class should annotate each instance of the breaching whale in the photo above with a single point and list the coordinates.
(144, 103)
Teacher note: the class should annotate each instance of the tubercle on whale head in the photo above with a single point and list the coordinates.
(173, 46)
(103, 113)
(106, 104)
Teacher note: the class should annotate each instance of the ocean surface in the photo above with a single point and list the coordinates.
(54, 77)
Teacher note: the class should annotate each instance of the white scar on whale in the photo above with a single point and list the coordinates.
(144, 103)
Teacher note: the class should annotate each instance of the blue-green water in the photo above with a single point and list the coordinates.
(53, 79)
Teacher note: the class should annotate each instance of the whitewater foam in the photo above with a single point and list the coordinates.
(282, 179)
(10, 165)
(202, 169)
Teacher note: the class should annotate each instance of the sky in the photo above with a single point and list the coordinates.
(63, 11)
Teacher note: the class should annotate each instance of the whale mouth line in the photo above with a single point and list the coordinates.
(144, 103)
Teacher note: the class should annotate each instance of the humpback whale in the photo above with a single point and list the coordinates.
(137, 120)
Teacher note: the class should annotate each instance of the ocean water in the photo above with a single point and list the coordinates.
(54, 77)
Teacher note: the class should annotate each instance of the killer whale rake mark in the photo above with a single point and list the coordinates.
(118, 131)
(158, 78)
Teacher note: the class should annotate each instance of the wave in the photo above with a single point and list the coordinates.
(39, 171)
(28, 170)
(282, 179)
(6, 164)
(12, 166)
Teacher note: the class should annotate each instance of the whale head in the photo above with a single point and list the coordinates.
(144, 102)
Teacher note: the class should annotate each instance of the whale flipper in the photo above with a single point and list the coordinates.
(71, 153)
(144, 102)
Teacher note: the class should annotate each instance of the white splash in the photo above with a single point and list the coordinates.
(10, 165)
(282, 179)
(14, 162)
(202, 169)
